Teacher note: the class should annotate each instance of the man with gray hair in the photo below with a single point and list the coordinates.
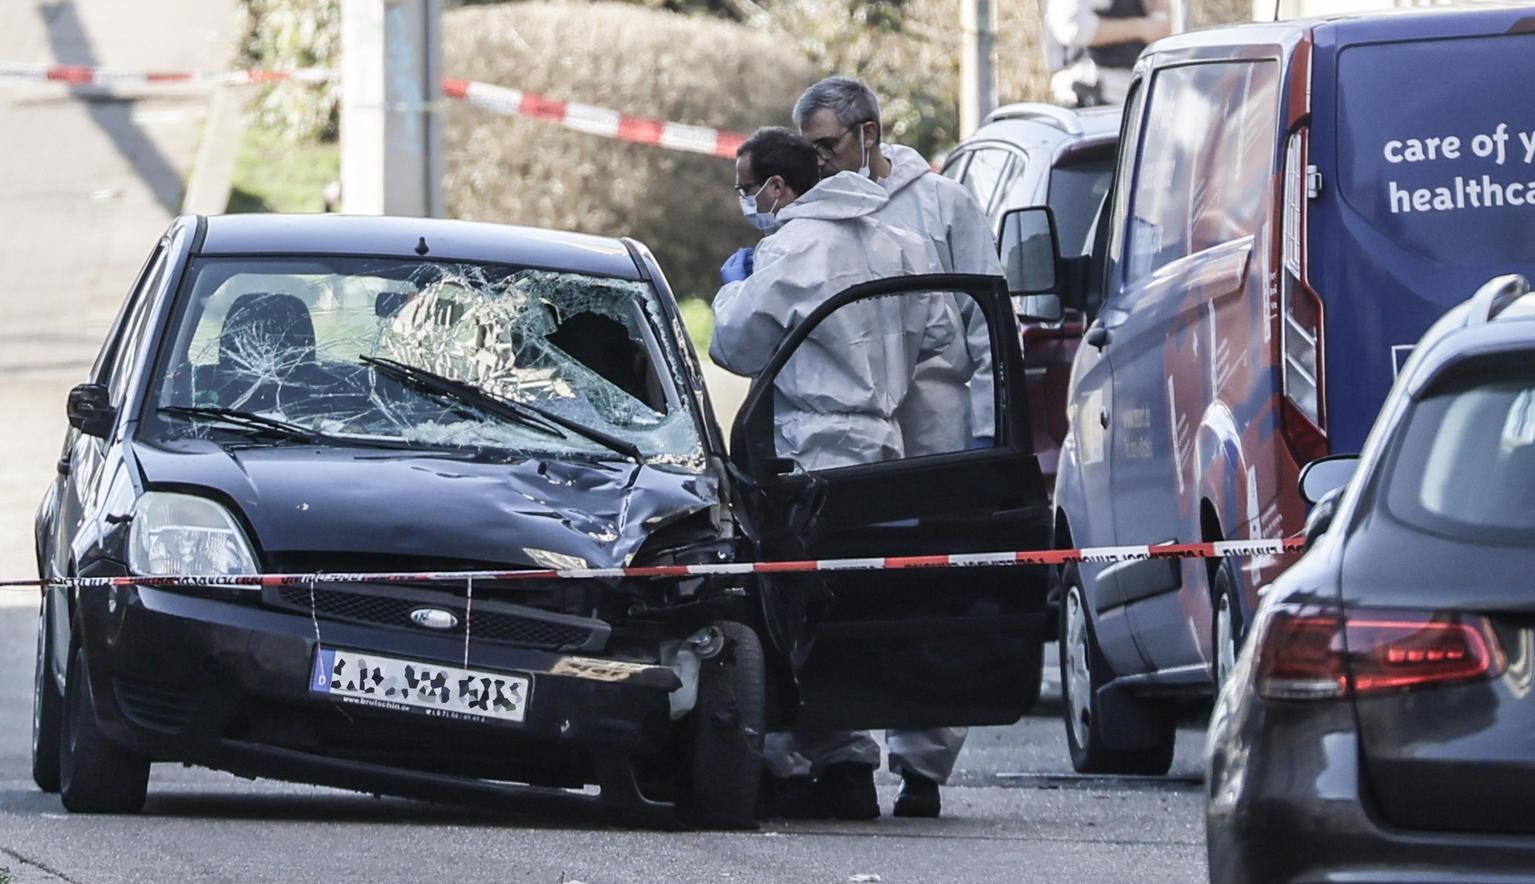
(950, 405)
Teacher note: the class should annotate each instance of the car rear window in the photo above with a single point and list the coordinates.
(1465, 460)
(1436, 145)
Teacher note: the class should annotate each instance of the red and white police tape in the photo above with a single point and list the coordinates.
(572, 115)
(1218, 549)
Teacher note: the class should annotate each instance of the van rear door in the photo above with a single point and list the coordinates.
(1423, 136)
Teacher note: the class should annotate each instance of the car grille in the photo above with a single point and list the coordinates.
(154, 706)
(492, 621)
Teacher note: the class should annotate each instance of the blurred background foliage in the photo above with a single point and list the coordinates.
(730, 64)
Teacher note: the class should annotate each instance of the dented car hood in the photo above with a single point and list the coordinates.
(349, 501)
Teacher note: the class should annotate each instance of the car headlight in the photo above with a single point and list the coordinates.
(176, 534)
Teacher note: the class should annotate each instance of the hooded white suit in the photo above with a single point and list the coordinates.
(837, 398)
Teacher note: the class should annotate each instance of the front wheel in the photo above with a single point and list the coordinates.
(724, 770)
(95, 776)
(47, 708)
(1083, 671)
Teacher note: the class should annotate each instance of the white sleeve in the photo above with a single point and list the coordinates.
(751, 317)
(1072, 23)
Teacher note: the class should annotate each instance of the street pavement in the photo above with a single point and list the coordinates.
(89, 183)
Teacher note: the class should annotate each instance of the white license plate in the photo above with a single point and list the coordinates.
(441, 691)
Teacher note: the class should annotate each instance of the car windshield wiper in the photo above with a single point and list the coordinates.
(248, 420)
(523, 413)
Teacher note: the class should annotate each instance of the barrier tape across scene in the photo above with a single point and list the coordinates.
(1095, 555)
(502, 100)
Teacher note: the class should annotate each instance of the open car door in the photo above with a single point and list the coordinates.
(914, 647)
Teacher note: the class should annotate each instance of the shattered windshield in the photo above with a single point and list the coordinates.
(422, 354)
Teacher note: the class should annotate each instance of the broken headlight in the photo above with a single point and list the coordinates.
(179, 534)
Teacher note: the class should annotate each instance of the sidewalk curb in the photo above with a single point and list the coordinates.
(212, 176)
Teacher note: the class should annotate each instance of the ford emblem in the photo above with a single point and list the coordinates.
(433, 618)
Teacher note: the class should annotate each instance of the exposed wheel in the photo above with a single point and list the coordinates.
(95, 776)
(726, 728)
(1226, 626)
(1083, 671)
(47, 708)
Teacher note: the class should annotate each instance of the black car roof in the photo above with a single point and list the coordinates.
(267, 234)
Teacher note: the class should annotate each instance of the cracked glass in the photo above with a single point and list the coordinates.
(301, 341)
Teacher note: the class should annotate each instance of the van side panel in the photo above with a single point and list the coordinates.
(1424, 135)
(1193, 378)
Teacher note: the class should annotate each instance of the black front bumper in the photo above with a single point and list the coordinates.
(223, 683)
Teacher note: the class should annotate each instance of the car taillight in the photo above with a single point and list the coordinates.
(1300, 324)
(1316, 654)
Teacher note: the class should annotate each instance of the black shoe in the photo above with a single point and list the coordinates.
(919, 797)
(788, 798)
(846, 792)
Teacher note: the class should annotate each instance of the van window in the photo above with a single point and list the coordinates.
(1205, 167)
(1436, 145)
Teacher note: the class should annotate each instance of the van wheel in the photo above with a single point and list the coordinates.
(1083, 671)
(47, 709)
(726, 729)
(1225, 625)
(95, 776)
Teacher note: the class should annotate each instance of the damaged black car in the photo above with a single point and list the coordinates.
(323, 395)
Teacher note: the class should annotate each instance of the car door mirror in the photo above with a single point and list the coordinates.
(1321, 515)
(90, 410)
(1321, 477)
(1030, 251)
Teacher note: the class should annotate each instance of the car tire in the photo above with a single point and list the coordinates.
(1033, 670)
(1226, 623)
(1083, 671)
(725, 734)
(95, 776)
(47, 708)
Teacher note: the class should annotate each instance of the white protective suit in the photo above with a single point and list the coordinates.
(837, 398)
(955, 381)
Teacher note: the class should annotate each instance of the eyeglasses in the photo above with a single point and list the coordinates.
(826, 148)
(746, 190)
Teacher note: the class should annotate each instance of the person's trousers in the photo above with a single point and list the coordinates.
(928, 753)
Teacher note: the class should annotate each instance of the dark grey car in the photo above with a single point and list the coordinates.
(1380, 724)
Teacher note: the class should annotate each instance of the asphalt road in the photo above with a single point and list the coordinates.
(89, 183)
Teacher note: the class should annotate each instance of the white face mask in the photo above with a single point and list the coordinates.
(767, 222)
(864, 169)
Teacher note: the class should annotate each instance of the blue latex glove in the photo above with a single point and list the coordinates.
(982, 442)
(737, 267)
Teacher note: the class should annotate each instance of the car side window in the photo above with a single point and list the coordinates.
(1192, 193)
(108, 353)
(988, 168)
(888, 378)
(131, 342)
(955, 167)
(1129, 141)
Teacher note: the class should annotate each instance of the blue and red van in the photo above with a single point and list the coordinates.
(1294, 204)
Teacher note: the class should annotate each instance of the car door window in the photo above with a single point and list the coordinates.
(108, 353)
(1192, 193)
(886, 379)
(131, 343)
(986, 172)
(1129, 140)
(955, 167)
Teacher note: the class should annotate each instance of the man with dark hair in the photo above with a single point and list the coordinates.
(835, 403)
(950, 406)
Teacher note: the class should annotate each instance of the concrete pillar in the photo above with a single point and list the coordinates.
(391, 139)
(977, 64)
